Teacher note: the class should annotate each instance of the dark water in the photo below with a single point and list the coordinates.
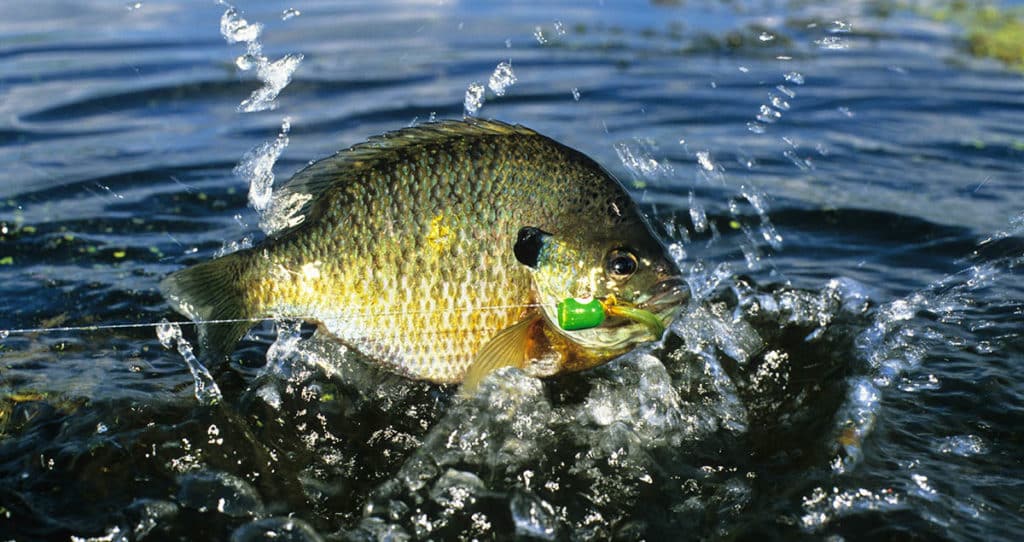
(849, 369)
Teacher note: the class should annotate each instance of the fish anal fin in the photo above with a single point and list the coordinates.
(506, 349)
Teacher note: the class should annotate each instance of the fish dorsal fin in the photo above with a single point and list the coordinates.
(506, 349)
(296, 201)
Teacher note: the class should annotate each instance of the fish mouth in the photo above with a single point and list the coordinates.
(667, 295)
(661, 303)
(663, 300)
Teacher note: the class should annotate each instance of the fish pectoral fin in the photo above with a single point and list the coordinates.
(506, 349)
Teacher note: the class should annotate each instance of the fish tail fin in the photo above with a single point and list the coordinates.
(212, 295)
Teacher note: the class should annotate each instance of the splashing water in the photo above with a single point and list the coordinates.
(257, 168)
(502, 78)
(474, 99)
(274, 75)
(638, 157)
(205, 388)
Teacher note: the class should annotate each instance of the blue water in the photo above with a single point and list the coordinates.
(842, 185)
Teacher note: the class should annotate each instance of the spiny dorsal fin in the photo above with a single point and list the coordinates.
(506, 349)
(295, 201)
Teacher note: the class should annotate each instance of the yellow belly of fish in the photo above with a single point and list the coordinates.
(421, 328)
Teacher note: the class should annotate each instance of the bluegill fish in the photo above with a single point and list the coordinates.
(441, 251)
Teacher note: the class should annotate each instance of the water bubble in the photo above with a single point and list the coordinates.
(474, 98)
(502, 78)
(132, 6)
(290, 13)
(790, 93)
(559, 28)
(765, 37)
(4, 334)
(575, 94)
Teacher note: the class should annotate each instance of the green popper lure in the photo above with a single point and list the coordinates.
(575, 313)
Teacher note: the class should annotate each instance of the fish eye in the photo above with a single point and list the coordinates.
(621, 263)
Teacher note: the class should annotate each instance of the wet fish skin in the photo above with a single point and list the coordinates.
(402, 247)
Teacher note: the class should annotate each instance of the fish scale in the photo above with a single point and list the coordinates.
(402, 246)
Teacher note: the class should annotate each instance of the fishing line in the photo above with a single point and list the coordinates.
(4, 333)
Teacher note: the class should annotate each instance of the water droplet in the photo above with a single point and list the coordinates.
(704, 159)
(697, 215)
(534, 517)
(257, 168)
(101, 428)
(962, 445)
(768, 115)
(235, 29)
(245, 62)
(796, 78)
(502, 78)
(832, 43)
(474, 98)
(840, 27)
(677, 252)
(539, 35)
(132, 6)
(778, 102)
(205, 388)
(275, 76)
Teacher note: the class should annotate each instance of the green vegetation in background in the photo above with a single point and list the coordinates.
(992, 31)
